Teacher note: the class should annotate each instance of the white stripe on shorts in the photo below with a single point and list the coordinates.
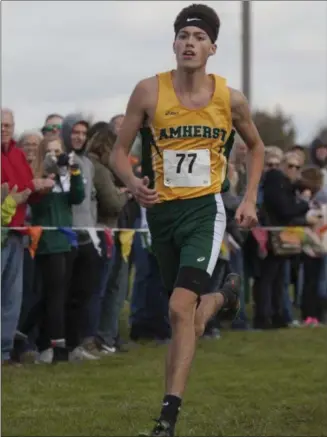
(218, 233)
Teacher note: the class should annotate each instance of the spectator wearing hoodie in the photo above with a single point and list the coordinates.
(111, 198)
(14, 171)
(85, 259)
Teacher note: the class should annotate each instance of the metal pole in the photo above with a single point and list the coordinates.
(246, 49)
(246, 89)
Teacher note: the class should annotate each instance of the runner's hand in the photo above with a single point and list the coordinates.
(246, 215)
(145, 196)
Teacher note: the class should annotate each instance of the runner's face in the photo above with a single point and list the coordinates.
(193, 47)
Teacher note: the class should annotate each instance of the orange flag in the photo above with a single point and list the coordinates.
(34, 233)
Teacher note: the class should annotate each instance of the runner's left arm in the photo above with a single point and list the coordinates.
(244, 125)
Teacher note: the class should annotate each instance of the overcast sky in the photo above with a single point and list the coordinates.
(59, 56)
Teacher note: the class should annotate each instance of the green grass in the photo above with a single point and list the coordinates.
(255, 383)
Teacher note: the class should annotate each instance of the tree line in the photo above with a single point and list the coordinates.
(278, 129)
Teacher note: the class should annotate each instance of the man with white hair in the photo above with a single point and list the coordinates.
(15, 171)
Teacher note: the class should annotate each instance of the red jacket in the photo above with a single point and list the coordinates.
(15, 170)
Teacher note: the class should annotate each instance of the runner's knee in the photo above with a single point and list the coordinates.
(182, 306)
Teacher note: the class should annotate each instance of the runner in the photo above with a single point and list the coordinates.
(186, 117)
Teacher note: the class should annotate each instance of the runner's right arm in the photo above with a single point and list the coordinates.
(133, 121)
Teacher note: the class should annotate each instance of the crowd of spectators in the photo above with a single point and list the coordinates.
(63, 301)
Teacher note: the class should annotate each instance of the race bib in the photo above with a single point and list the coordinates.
(190, 168)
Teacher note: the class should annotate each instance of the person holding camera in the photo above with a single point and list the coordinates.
(53, 252)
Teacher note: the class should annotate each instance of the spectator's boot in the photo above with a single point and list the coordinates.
(59, 354)
(161, 429)
(231, 291)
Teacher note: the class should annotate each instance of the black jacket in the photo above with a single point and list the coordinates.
(280, 204)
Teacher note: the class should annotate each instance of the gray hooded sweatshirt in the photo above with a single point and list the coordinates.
(85, 214)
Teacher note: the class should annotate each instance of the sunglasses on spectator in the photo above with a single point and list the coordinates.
(51, 128)
(291, 166)
(273, 164)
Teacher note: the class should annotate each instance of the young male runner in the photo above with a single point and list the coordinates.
(190, 115)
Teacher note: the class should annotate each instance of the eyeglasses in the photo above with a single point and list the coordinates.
(291, 166)
(51, 128)
(6, 125)
(30, 144)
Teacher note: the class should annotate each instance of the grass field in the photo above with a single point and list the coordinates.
(255, 383)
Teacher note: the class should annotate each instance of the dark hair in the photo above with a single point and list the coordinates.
(101, 141)
(296, 148)
(311, 178)
(96, 127)
(53, 115)
(83, 123)
(201, 11)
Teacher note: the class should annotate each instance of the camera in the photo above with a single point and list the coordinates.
(63, 160)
